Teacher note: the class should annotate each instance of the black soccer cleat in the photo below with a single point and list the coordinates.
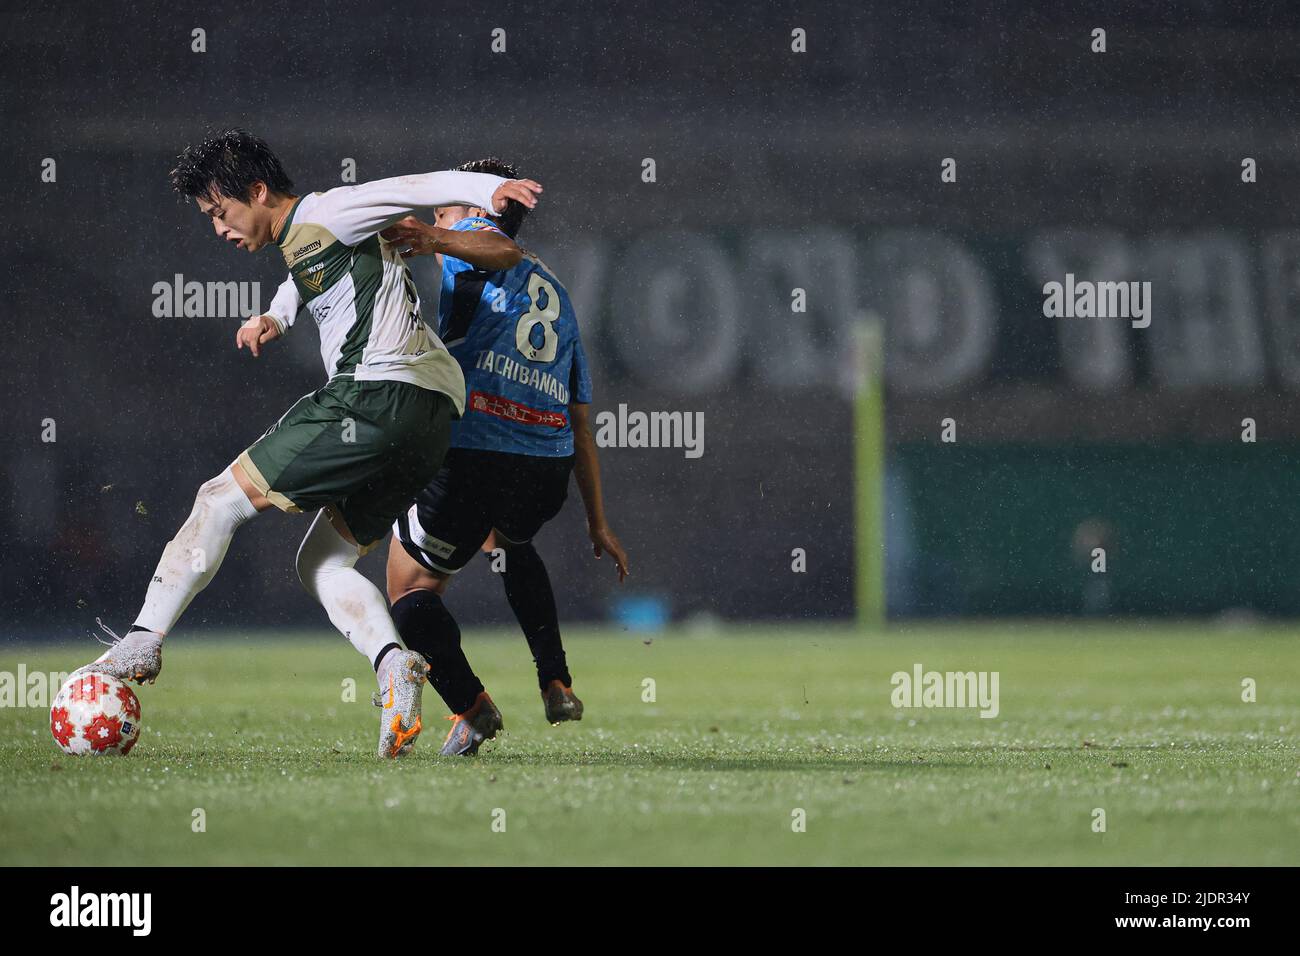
(560, 703)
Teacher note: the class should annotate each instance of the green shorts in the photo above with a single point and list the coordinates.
(366, 448)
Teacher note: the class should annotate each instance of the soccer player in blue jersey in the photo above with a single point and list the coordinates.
(511, 327)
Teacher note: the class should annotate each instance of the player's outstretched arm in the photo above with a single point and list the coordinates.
(586, 469)
(353, 213)
(485, 249)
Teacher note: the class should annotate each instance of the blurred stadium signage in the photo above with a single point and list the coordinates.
(1223, 308)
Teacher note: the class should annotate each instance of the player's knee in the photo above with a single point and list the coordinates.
(323, 552)
(407, 597)
(412, 580)
(307, 564)
(213, 491)
(399, 588)
(312, 564)
(511, 547)
(221, 502)
(213, 486)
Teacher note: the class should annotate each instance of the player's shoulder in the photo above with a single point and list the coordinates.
(330, 209)
(533, 262)
(309, 205)
(313, 211)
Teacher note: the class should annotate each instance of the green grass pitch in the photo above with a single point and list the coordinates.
(1146, 722)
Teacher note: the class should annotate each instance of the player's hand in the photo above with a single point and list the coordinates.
(525, 191)
(415, 238)
(602, 540)
(256, 332)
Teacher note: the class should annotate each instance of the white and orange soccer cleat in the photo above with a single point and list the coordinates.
(401, 684)
(137, 656)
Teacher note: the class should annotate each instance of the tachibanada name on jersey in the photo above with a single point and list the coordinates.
(516, 338)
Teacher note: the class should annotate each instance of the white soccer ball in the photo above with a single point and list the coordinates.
(95, 714)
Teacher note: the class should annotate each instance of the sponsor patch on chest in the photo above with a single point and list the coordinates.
(293, 255)
(314, 277)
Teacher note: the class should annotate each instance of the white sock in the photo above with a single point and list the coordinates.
(327, 569)
(191, 559)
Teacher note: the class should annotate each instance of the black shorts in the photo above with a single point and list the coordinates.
(475, 492)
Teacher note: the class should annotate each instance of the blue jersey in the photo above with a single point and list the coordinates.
(516, 339)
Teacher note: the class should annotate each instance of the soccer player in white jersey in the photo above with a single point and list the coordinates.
(355, 451)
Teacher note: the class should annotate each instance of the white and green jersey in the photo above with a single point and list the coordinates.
(356, 285)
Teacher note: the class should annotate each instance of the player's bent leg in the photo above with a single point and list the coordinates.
(528, 589)
(189, 561)
(404, 574)
(426, 626)
(364, 478)
(327, 568)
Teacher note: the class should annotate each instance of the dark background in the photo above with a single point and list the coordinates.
(775, 170)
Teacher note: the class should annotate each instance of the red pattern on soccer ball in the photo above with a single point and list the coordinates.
(89, 688)
(95, 714)
(61, 726)
(130, 703)
(103, 732)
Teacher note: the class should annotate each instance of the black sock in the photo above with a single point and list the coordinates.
(383, 652)
(528, 589)
(428, 627)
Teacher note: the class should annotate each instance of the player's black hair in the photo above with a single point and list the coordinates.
(513, 217)
(228, 164)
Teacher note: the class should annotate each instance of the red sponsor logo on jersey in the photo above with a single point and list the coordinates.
(513, 411)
